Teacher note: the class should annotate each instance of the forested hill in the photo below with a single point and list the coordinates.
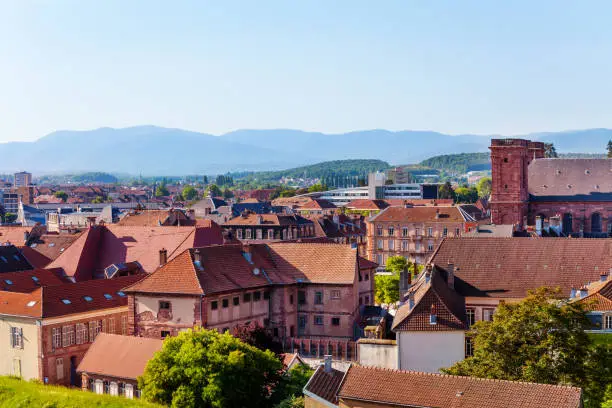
(459, 163)
(325, 170)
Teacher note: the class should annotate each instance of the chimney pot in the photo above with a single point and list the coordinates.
(163, 256)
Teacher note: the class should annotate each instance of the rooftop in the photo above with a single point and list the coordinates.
(420, 214)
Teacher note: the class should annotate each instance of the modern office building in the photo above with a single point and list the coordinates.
(23, 179)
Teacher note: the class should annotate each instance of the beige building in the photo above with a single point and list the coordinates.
(23, 179)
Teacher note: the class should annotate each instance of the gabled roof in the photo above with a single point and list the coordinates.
(599, 296)
(325, 384)
(119, 356)
(226, 268)
(251, 219)
(318, 204)
(509, 267)
(416, 389)
(362, 204)
(432, 295)
(421, 214)
(35, 258)
(21, 304)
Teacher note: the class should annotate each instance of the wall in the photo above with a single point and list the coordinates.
(346, 403)
(430, 351)
(150, 323)
(27, 356)
(343, 307)
(233, 315)
(379, 354)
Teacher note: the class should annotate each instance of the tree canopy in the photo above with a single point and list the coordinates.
(161, 190)
(189, 193)
(609, 147)
(445, 191)
(484, 187)
(540, 339)
(202, 368)
(550, 151)
(61, 194)
(214, 190)
(387, 286)
(466, 195)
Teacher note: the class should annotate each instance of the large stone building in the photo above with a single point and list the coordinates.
(576, 192)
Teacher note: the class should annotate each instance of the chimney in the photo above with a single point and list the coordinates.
(416, 268)
(327, 363)
(583, 292)
(450, 277)
(427, 276)
(539, 225)
(26, 236)
(433, 317)
(603, 277)
(259, 220)
(197, 256)
(411, 300)
(573, 293)
(163, 256)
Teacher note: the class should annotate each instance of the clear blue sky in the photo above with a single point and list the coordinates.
(453, 66)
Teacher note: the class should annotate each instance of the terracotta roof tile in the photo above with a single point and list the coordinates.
(420, 214)
(267, 219)
(361, 204)
(317, 204)
(409, 388)
(509, 267)
(326, 384)
(28, 281)
(35, 258)
(119, 356)
(599, 297)
(16, 303)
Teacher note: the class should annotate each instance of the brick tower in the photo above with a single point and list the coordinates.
(510, 159)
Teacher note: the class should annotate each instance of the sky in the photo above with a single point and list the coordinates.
(482, 67)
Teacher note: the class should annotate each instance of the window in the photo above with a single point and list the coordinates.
(471, 316)
(608, 322)
(487, 314)
(164, 334)
(66, 301)
(121, 294)
(290, 299)
(457, 232)
(239, 233)
(391, 244)
(94, 329)
(259, 234)
(164, 305)
(335, 321)
(417, 232)
(430, 246)
(379, 231)
(391, 231)
(111, 325)
(404, 245)
(301, 297)
(270, 234)
(367, 276)
(236, 301)
(469, 347)
(367, 300)
(335, 294)
(57, 338)
(81, 333)
(379, 244)
(108, 296)
(430, 232)
(17, 337)
(225, 303)
(88, 298)
(379, 259)
(124, 327)
(67, 336)
(404, 231)
(214, 305)
(59, 368)
(318, 298)
(302, 322)
(248, 233)
(266, 295)
(445, 231)
(8, 281)
(256, 296)
(246, 298)
(318, 320)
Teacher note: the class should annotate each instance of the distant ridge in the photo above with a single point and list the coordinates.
(153, 150)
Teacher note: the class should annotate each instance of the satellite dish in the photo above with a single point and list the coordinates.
(256, 271)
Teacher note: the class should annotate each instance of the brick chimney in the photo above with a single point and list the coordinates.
(163, 256)
(327, 363)
(450, 277)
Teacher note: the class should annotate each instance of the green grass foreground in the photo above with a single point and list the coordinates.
(601, 338)
(16, 393)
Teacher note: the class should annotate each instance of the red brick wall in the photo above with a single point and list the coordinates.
(77, 351)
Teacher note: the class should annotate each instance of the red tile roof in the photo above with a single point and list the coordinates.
(12, 260)
(570, 177)
(53, 245)
(409, 388)
(317, 204)
(28, 281)
(443, 202)
(599, 296)
(226, 268)
(420, 214)
(509, 267)
(267, 219)
(21, 304)
(118, 356)
(361, 205)
(156, 218)
(325, 385)
(35, 258)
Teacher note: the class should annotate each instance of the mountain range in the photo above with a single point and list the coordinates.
(152, 150)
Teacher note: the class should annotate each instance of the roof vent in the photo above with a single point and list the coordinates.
(256, 271)
(587, 171)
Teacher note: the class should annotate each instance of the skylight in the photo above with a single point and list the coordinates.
(31, 303)
(107, 296)
(16, 257)
(8, 282)
(34, 278)
(88, 298)
(121, 294)
(3, 259)
(51, 244)
(66, 301)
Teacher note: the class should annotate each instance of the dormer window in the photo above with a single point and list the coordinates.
(3, 259)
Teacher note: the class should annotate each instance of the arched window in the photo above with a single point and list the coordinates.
(596, 222)
(568, 226)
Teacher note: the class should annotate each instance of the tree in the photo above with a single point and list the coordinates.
(97, 200)
(315, 188)
(484, 187)
(387, 286)
(214, 190)
(445, 191)
(540, 339)
(550, 151)
(466, 195)
(189, 193)
(202, 368)
(610, 149)
(257, 336)
(227, 193)
(292, 402)
(161, 190)
(61, 195)
(291, 385)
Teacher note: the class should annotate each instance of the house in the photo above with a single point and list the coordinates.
(370, 387)
(45, 333)
(309, 295)
(291, 360)
(526, 185)
(158, 218)
(340, 228)
(250, 227)
(465, 281)
(83, 217)
(597, 298)
(317, 207)
(413, 232)
(102, 246)
(114, 362)
(366, 207)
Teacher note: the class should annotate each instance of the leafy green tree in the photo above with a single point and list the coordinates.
(291, 385)
(98, 200)
(227, 193)
(257, 336)
(161, 190)
(214, 190)
(317, 188)
(466, 194)
(387, 286)
(10, 217)
(202, 368)
(540, 339)
(445, 191)
(291, 402)
(61, 195)
(189, 193)
(484, 187)
(550, 151)
(609, 149)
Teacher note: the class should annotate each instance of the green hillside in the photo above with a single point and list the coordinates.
(16, 393)
(459, 163)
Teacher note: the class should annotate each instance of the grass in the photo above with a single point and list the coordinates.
(601, 338)
(16, 393)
